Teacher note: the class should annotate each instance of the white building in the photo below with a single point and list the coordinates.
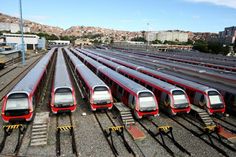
(151, 36)
(12, 27)
(172, 36)
(31, 41)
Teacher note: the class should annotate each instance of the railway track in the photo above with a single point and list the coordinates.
(164, 131)
(16, 79)
(220, 118)
(202, 138)
(8, 139)
(109, 131)
(65, 132)
(216, 136)
(7, 71)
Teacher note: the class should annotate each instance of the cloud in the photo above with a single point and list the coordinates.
(227, 3)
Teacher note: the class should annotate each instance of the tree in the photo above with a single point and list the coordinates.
(143, 33)
(200, 45)
(112, 40)
(141, 39)
(124, 37)
(156, 41)
(214, 47)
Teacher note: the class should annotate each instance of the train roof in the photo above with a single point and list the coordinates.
(155, 82)
(118, 78)
(61, 78)
(92, 79)
(30, 80)
(191, 84)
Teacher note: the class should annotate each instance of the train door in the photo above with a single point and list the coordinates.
(199, 99)
(119, 91)
(125, 97)
(157, 93)
(131, 101)
(165, 99)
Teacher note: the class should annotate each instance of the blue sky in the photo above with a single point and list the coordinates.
(132, 15)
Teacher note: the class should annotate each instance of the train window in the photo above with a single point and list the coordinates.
(17, 101)
(146, 101)
(100, 89)
(180, 98)
(63, 96)
(214, 97)
(101, 93)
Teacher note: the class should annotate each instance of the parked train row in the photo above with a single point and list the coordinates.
(102, 79)
(141, 100)
(215, 64)
(224, 77)
(198, 94)
(19, 104)
(169, 97)
(228, 93)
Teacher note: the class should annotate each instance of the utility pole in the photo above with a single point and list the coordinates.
(22, 35)
(148, 35)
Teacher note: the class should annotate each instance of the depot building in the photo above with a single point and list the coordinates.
(31, 41)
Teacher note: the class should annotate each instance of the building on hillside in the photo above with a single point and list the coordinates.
(59, 42)
(31, 41)
(81, 42)
(151, 35)
(228, 36)
(12, 27)
(172, 36)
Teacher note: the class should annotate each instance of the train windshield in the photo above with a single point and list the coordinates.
(101, 94)
(147, 101)
(17, 101)
(63, 96)
(180, 99)
(215, 100)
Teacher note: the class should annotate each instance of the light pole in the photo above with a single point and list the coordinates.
(148, 35)
(22, 35)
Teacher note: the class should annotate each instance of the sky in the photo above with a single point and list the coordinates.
(131, 15)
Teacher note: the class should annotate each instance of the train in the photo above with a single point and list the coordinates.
(203, 96)
(142, 101)
(171, 98)
(96, 91)
(63, 97)
(19, 104)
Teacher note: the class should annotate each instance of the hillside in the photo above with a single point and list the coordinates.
(77, 31)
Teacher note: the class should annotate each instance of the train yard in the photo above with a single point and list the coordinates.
(118, 102)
